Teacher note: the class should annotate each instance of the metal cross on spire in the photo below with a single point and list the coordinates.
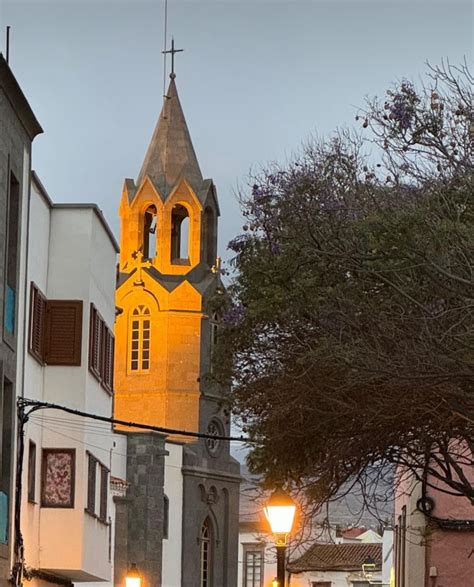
(172, 51)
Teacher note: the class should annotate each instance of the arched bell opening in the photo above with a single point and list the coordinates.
(149, 232)
(180, 228)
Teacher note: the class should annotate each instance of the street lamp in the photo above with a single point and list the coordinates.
(280, 512)
(368, 568)
(133, 578)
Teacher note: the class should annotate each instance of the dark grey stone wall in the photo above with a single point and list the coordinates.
(213, 496)
(139, 523)
(15, 144)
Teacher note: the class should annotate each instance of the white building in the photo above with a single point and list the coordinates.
(67, 507)
(357, 558)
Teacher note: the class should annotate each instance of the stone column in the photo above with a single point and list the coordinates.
(142, 544)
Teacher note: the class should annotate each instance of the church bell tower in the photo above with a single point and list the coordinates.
(167, 272)
(164, 333)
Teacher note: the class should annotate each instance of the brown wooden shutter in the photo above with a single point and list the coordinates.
(104, 477)
(91, 482)
(111, 358)
(103, 352)
(63, 332)
(95, 343)
(108, 360)
(36, 336)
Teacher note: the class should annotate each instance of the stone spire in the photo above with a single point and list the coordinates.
(170, 155)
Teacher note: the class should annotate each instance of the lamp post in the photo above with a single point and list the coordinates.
(133, 578)
(368, 568)
(280, 512)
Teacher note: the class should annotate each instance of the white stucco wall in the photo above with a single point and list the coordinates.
(337, 578)
(269, 562)
(71, 256)
(171, 574)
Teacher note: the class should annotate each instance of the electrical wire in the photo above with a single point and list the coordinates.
(39, 405)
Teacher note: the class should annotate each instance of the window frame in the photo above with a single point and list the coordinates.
(103, 493)
(11, 282)
(91, 483)
(253, 548)
(101, 350)
(179, 213)
(205, 563)
(97, 486)
(37, 321)
(50, 357)
(72, 495)
(142, 316)
(43, 351)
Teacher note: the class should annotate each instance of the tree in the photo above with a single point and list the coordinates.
(348, 332)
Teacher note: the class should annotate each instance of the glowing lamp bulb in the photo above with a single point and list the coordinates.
(280, 512)
(133, 578)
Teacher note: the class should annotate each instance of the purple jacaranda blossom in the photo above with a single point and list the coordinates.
(234, 315)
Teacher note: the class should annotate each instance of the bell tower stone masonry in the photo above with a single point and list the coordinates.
(163, 338)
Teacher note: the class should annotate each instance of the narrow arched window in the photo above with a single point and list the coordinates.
(140, 330)
(206, 554)
(179, 234)
(209, 237)
(149, 233)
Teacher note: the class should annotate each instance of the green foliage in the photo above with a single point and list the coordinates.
(348, 335)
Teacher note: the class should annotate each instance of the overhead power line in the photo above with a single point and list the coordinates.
(39, 405)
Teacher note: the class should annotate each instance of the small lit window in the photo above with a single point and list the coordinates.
(140, 328)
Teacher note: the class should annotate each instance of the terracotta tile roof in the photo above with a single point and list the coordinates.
(352, 532)
(337, 557)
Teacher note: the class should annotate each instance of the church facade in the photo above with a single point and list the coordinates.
(179, 520)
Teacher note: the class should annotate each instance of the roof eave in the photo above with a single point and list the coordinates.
(17, 99)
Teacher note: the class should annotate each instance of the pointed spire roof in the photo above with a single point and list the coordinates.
(170, 155)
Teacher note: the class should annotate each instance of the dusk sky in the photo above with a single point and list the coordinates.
(255, 80)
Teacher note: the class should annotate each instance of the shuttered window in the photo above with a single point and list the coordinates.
(63, 332)
(104, 478)
(91, 481)
(101, 350)
(55, 329)
(97, 488)
(37, 323)
(95, 340)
